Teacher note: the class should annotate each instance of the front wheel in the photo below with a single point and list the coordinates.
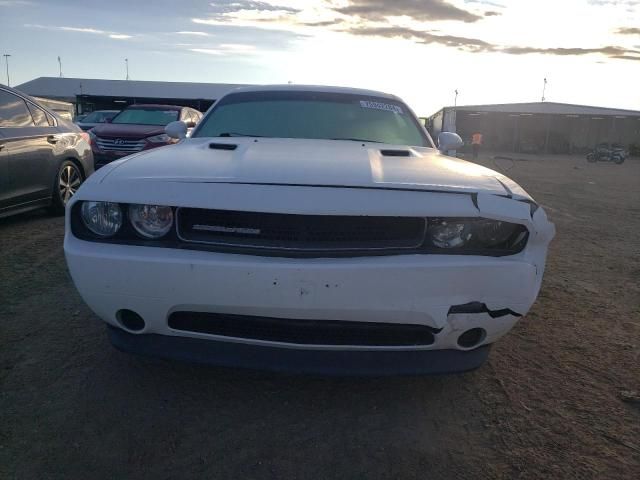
(67, 182)
(591, 157)
(618, 159)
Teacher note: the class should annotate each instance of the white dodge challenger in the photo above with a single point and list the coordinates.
(307, 229)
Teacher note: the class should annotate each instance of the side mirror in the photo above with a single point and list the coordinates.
(449, 141)
(176, 129)
(107, 120)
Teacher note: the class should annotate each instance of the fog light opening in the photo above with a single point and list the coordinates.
(472, 338)
(130, 320)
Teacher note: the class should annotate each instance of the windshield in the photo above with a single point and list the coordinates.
(98, 117)
(313, 115)
(145, 116)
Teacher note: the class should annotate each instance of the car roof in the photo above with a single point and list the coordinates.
(312, 88)
(155, 106)
(32, 100)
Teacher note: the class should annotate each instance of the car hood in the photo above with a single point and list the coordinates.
(269, 161)
(124, 130)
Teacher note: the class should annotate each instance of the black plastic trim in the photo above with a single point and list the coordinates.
(303, 332)
(297, 360)
(395, 153)
(223, 146)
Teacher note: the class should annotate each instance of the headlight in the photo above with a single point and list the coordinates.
(476, 235)
(162, 138)
(448, 233)
(493, 232)
(151, 221)
(103, 218)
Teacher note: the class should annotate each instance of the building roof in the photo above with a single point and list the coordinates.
(553, 108)
(69, 88)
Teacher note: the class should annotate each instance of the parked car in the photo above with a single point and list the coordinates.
(137, 128)
(43, 157)
(311, 229)
(96, 118)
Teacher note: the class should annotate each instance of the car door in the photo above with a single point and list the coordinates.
(28, 140)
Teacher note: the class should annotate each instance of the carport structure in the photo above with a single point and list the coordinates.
(540, 127)
(90, 94)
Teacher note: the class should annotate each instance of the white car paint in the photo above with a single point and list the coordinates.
(321, 177)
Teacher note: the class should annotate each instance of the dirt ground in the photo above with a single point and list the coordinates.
(550, 403)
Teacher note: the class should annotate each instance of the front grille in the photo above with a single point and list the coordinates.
(303, 332)
(277, 231)
(119, 145)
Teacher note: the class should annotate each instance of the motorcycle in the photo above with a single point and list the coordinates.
(605, 152)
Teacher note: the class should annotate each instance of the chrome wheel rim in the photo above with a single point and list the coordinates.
(68, 182)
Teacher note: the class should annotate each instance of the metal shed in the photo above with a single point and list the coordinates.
(89, 94)
(540, 127)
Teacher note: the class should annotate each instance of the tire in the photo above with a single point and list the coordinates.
(618, 159)
(66, 184)
(591, 157)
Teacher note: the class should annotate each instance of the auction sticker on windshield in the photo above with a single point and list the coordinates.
(381, 106)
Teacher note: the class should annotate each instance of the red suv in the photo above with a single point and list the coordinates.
(136, 128)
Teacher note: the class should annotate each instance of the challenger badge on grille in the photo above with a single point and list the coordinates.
(221, 229)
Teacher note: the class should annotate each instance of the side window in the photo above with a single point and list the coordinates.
(39, 117)
(13, 111)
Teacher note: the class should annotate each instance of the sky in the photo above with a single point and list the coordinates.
(490, 51)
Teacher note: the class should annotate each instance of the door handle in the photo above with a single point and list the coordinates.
(53, 139)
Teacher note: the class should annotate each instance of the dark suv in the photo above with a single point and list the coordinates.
(43, 158)
(136, 128)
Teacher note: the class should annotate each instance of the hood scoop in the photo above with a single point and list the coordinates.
(223, 146)
(395, 153)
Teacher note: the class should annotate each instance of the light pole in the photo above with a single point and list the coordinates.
(126, 64)
(6, 60)
(544, 88)
(60, 65)
(455, 100)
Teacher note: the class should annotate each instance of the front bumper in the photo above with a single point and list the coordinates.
(406, 289)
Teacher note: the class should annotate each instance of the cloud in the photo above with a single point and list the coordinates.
(324, 23)
(626, 57)
(421, 10)
(486, 2)
(80, 30)
(233, 6)
(93, 31)
(14, 3)
(628, 31)
(197, 34)
(209, 51)
(609, 51)
(478, 45)
(462, 43)
(227, 49)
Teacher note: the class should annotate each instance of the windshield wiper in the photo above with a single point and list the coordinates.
(356, 140)
(237, 134)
